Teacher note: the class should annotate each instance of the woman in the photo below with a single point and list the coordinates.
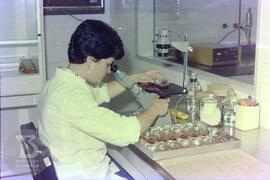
(72, 123)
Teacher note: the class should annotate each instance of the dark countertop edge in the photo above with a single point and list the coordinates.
(162, 172)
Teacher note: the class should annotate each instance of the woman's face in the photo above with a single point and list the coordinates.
(100, 70)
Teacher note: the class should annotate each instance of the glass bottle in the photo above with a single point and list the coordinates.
(192, 101)
(229, 109)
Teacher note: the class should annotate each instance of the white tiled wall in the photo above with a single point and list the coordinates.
(145, 25)
(203, 19)
(121, 19)
(262, 72)
(58, 30)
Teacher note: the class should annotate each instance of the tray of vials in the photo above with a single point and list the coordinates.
(176, 140)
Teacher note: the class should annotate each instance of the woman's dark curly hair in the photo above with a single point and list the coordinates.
(94, 38)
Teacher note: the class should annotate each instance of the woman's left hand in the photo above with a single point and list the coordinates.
(148, 76)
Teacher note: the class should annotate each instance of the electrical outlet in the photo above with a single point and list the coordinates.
(225, 25)
(236, 25)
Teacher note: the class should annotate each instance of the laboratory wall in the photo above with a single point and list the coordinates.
(135, 65)
(202, 21)
(58, 30)
(262, 72)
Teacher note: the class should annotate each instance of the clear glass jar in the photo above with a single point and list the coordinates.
(178, 110)
(193, 109)
(210, 110)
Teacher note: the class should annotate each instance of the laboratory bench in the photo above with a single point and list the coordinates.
(250, 161)
(245, 66)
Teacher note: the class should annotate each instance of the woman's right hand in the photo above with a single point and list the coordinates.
(160, 106)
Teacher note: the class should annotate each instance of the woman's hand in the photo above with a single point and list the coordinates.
(148, 76)
(160, 106)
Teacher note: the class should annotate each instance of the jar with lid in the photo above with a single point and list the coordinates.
(209, 110)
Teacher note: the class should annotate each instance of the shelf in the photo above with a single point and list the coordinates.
(14, 82)
(8, 74)
(19, 42)
(10, 66)
(19, 101)
(21, 85)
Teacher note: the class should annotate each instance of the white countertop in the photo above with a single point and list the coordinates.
(228, 164)
(256, 143)
(251, 161)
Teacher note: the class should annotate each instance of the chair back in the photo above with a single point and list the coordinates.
(37, 154)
